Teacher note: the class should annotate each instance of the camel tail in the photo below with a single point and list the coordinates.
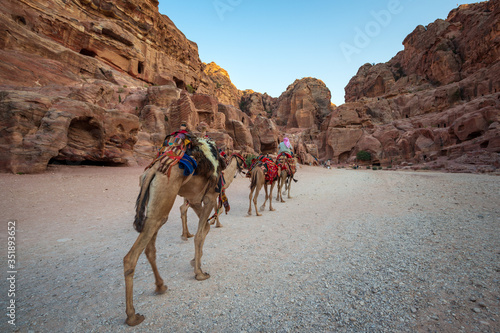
(295, 180)
(142, 201)
(253, 181)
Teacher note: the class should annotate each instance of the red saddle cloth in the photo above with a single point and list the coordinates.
(289, 163)
(288, 155)
(268, 166)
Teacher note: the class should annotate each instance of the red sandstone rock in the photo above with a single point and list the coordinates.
(104, 82)
(225, 91)
(305, 104)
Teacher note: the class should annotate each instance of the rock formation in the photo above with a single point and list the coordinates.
(304, 104)
(225, 91)
(257, 104)
(103, 82)
(436, 102)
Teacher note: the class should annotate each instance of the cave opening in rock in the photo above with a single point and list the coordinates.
(474, 135)
(88, 53)
(140, 67)
(484, 144)
(344, 157)
(56, 161)
(179, 83)
(269, 148)
(85, 142)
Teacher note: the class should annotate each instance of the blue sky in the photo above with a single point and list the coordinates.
(266, 45)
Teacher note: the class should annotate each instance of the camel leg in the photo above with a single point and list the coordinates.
(279, 186)
(129, 264)
(281, 181)
(151, 255)
(263, 207)
(271, 197)
(185, 231)
(199, 239)
(289, 186)
(217, 224)
(256, 195)
(250, 201)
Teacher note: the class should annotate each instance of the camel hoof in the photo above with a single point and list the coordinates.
(258, 214)
(161, 289)
(202, 276)
(134, 320)
(218, 225)
(185, 238)
(272, 209)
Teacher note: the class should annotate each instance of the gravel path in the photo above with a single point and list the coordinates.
(352, 251)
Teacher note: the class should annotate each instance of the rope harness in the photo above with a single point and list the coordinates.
(222, 199)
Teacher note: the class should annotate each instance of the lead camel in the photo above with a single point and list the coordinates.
(161, 182)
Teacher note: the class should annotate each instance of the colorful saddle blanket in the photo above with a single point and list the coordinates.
(172, 152)
(268, 166)
(288, 162)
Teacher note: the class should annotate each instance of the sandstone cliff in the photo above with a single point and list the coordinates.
(103, 82)
(436, 102)
(225, 91)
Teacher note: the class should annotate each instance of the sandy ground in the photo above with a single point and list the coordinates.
(352, 251)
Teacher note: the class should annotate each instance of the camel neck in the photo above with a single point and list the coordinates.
(230, 171)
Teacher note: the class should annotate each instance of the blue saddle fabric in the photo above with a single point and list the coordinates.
(188, 164)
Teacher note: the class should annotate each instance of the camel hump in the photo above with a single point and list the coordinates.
(210, 162)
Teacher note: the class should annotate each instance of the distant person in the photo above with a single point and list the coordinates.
(285, 147)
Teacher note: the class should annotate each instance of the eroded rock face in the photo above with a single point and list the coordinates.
(131, 36)
(238, 125)
(444, 52)
(304, 104)
(256, 104)
(37, 128)
(225, 91)
(106, 81)
(435, 101)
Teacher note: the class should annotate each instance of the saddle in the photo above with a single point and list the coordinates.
(289, 162)
(268, 166)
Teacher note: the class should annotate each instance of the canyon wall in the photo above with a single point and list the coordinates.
(103, 82)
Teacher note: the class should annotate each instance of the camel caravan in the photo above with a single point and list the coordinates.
(194, 168)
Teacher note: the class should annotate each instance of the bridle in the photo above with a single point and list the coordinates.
(239, 159)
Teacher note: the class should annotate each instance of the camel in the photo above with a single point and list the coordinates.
(160, 185)
(282, 177)
(259, 178)
(235, 165)
(288, 181)
(287, 169)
